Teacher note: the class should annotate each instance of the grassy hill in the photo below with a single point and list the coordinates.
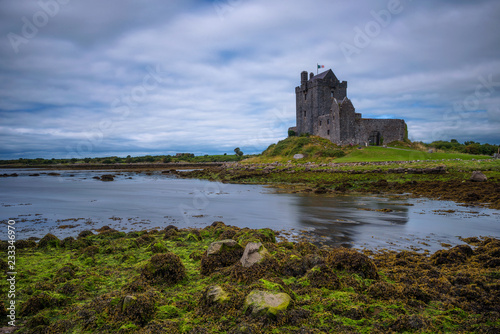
(377, 153)
(322, 150)
(313, 148)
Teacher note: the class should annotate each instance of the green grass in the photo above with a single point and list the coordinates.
(320, 150)
(376, 153)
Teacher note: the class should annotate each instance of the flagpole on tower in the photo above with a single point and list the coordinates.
(317, 68)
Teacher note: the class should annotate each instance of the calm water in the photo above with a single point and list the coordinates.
(41, 204)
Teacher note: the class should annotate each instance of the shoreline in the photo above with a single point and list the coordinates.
(435, 181)
(114, 282)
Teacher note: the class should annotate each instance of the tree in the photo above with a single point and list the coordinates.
(238, 152)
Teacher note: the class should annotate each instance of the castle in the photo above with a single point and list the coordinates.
(324, 110)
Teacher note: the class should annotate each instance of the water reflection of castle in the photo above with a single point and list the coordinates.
(347, 220)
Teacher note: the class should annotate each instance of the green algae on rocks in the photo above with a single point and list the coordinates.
(152, 282)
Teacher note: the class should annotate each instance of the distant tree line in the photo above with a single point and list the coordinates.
(191, 158)
(469, 147)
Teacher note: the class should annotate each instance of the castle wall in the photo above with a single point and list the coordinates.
(347, 115)
(389, 129)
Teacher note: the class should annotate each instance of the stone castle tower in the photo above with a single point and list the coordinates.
(323, 109)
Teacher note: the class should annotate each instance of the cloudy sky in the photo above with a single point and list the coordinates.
(117, 77)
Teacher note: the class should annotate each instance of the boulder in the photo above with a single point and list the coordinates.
(127, 302)
(220, 254)
(477, 176)
(217, 246)
(216, 294)
(298, 156)
(266, 302)
(254, 253)
(107, 177)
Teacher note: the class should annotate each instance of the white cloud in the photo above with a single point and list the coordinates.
(228, 80)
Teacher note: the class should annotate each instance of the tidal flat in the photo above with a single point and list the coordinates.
(176, 281)
(117, 275)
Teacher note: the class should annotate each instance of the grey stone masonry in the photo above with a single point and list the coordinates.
(323, 109)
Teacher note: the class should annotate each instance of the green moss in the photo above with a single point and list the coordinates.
(61, 290)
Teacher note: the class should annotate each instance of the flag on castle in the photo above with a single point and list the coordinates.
(321, 66)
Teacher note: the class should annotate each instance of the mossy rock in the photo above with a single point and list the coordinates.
(38, 302)
(165, 268)
(305, 248)
(171, 233)
(65, 273)
(296, 266)
(61, 326)
(407, 323)
(226, 299)
(382, 290)
(196, 255)
(247, 235)
(254, 253)
(159, 248)
(456, 255)
(68, 242)
(220, 254)
(191, 237)
(22, 244)
(353, 262)
(322, 276)
(266, 303)
(146, 240)
(84, 234)
(37, 321)
(268, 267)
(137, 285)
(49, 241)
(90, 251)
(228, 233)
(168, 312)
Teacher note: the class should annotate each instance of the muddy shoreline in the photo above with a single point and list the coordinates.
(438, 182)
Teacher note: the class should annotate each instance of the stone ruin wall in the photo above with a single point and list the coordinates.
(390, 129)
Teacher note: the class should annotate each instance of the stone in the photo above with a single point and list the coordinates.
(477, 176)
(430, 151)
(128, 301)
(107, 177)
(266, 302)
(254, 253)
(298, 156)
(216, 294)
(216, 246)
(220, 254)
